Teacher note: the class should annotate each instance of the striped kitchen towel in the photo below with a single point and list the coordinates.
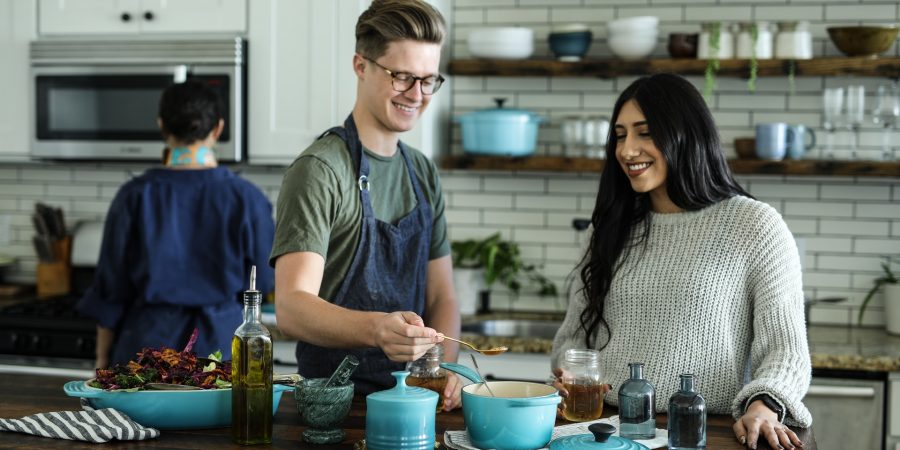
(101, 425)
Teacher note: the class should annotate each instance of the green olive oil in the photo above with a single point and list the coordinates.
(251, 374)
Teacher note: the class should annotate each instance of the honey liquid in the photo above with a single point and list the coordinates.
(584, 403)
(436, 384)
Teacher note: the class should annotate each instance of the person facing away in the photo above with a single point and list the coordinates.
(687, 273)
(361, 255)
(179, 241)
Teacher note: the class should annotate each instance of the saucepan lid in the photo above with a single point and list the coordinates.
(600, 439)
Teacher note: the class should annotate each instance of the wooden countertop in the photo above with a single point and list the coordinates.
(22, 395)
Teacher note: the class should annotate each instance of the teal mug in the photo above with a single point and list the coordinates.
(798, 146)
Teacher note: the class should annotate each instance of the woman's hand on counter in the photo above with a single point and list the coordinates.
(760, 422)
(452, 393)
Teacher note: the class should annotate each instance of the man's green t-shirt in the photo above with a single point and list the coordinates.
(319, 208)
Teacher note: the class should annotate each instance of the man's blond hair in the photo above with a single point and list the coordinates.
(388, 21)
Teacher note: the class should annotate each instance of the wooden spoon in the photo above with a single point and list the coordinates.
(484, 351)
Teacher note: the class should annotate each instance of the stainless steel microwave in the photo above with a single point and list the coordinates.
(97, 100)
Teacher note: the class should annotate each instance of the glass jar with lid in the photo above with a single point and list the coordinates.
(582, 379)
(426, 372)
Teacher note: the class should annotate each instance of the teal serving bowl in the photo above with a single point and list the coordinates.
(168, 410)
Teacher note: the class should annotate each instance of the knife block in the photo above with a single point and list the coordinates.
(55, 278)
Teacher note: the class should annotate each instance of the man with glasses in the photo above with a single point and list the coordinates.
(361, 254)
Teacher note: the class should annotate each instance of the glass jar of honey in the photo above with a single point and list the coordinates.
(582, 379)
(426, 372)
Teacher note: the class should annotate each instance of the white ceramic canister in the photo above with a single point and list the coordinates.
(745, 45)
(793, 41)
(725, 41)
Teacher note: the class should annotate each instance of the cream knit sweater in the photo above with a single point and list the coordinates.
(716, 293)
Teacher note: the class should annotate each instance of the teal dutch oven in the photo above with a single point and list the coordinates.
(401, 418)
(500, 131)
(168, 410)
(520, 417)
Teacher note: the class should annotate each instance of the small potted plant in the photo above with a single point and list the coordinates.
(889, 284)
(479, 263)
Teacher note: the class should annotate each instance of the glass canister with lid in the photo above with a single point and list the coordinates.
(582, 380)
(426, 372)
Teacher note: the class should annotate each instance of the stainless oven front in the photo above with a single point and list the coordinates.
(97, 100)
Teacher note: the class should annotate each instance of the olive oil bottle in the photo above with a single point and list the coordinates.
(251, 374)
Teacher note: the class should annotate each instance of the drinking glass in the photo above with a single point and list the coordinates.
(856, 103)
(887, 113)
(832, 103)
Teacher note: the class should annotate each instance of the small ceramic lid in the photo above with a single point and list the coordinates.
(401, 393)
(601, 439)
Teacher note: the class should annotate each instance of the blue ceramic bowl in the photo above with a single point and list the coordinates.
(168, 410)
(570, 46)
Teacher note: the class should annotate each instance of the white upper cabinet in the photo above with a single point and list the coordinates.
(17, 28)
(93, 17)
(301, 79)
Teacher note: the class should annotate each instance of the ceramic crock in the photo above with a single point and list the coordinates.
(500, 131)
(400, 418)
(520, 417)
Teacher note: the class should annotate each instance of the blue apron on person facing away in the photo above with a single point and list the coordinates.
(387, 274)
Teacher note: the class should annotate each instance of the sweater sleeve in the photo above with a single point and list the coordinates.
(779, 353)
(570, 334)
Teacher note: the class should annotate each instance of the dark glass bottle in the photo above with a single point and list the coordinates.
(687, 417)
(251, 374)
(637, 403)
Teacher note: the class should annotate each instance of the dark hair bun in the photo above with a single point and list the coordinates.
(189, 111)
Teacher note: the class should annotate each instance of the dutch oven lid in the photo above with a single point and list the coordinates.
(502, 114)
(601, 439)
(401, 393)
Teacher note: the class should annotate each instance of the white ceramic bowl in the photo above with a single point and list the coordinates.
(638, 34)
(627, 47)
(501, 42)
(630, 24)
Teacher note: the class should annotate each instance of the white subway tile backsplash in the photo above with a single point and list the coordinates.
(518, 84)
(785, 190)
(549, 100)
(855, 263)
(826, 279)
(802, 227)
(518, 16)
(467, 200)
(546, 202)
(753, 102)
(89, 191)
(815, 244)
(717, 13)
(23, 189)
(525, 218)
(457, 216)
(561, 16)
(856, 192)
(877, 246)
(792, 12)
(39, 174)
(515, 184)
(582, 84)
(468, 16)
(854, 227)
(549, 236)
(818, 209)
(665, 13)
(844, 13)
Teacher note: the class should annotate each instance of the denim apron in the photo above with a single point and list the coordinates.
(387, 274)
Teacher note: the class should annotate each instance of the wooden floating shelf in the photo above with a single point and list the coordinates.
(610, 68)
(738, 166)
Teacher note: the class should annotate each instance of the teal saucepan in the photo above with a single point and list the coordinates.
(520, 416)
(170, 410)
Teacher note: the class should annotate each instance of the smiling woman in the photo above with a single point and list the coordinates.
(688, 274)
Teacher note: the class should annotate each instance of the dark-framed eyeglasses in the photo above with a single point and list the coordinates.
(404, 81)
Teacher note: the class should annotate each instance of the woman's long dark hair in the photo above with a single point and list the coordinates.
(682, 128)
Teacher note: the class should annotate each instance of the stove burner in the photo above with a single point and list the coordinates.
(46, 327)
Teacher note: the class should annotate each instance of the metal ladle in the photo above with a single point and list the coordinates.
(484, 351)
